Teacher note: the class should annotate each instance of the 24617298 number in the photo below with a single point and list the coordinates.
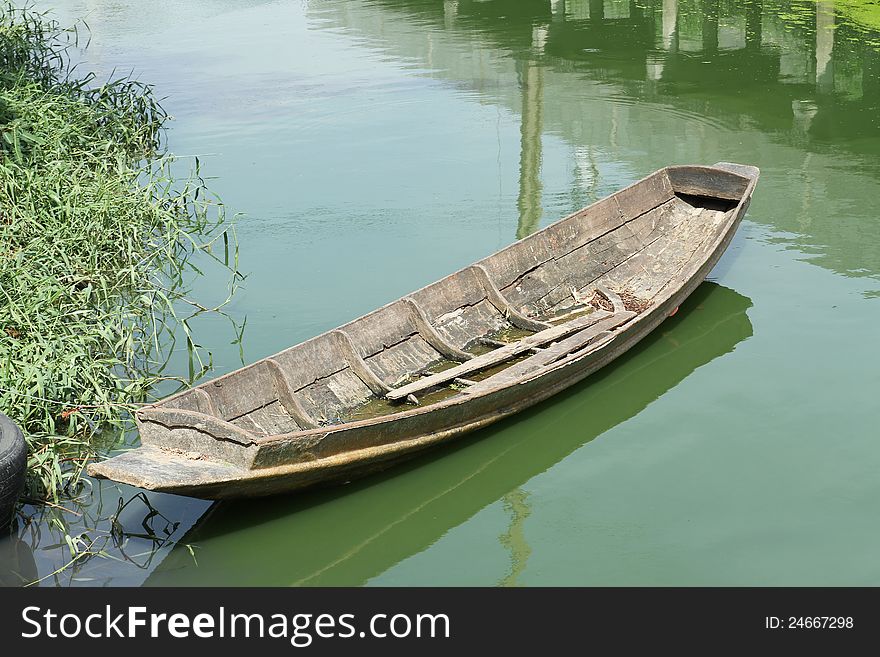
(809, 622)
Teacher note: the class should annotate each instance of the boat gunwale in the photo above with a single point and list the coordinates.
(157, 412)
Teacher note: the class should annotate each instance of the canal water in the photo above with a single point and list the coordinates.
(376, 145)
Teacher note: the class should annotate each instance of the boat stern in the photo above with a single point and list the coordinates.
(724, 181)
(168, 471)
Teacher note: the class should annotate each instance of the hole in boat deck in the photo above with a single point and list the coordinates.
(707, 202)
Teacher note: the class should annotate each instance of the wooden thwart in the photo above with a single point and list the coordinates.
(579, 342)
(431, 336)
(509, 351)
(615, 300)
(206, 401)
(494, 296)
(287, 398)
(358, 365)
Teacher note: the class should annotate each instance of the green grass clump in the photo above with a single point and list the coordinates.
(97, 238)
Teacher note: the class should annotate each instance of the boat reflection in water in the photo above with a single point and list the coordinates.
(346, 536)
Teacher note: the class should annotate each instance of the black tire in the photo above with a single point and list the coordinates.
(13, 463)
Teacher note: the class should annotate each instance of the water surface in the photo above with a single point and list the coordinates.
(376, 145)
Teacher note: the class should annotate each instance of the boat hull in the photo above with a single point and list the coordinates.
(334, 454)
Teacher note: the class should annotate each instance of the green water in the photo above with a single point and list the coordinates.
(376, 145)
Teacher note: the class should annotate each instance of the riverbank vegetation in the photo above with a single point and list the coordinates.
(98, 238)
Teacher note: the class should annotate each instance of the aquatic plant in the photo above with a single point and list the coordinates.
(99, 236)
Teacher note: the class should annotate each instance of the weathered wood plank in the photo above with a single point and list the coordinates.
(652, 268)
(243, 391)
(464, 325)
(598, 262)
(448, 294)
(397, 362)
(431, 336)
(534, 285)
(654, 190)
(330, 398)
(311, 360)
(616, 301)
(213, 429)
(499, 355)
(584, 226)
(195, 400)
(616, 218)
(268, 421)
(593, 260)
(744, 170)
(495, 297)
(550, 355)
(381, 329)
(513, 261)
(287, 396)
(707, 181)
(357, 364)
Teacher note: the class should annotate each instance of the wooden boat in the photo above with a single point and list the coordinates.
(416, 511)
(479, 345)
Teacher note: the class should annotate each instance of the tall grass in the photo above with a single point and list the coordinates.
(97, 241)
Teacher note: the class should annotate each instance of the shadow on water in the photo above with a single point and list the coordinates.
(345, 536)
(120, 533)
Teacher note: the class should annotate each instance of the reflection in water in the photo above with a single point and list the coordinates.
(798, 72)
(754, 10)
(516, 503)
(113, 523)
(669, 25)
(17, 565)
(736, 60)
(347, 536)
(450, 11)
(824, 46)
(585, 186)
(710, 27)
(529, 201)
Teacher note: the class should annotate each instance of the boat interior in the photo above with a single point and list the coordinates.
(555, 293)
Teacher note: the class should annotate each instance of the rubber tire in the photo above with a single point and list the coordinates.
(13, 464)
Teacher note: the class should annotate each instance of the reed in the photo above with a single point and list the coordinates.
(99, 236)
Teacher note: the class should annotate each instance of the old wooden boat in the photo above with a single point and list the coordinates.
(420, 510)
(479, 345)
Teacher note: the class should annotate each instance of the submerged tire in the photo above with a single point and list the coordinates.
(13, 460)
